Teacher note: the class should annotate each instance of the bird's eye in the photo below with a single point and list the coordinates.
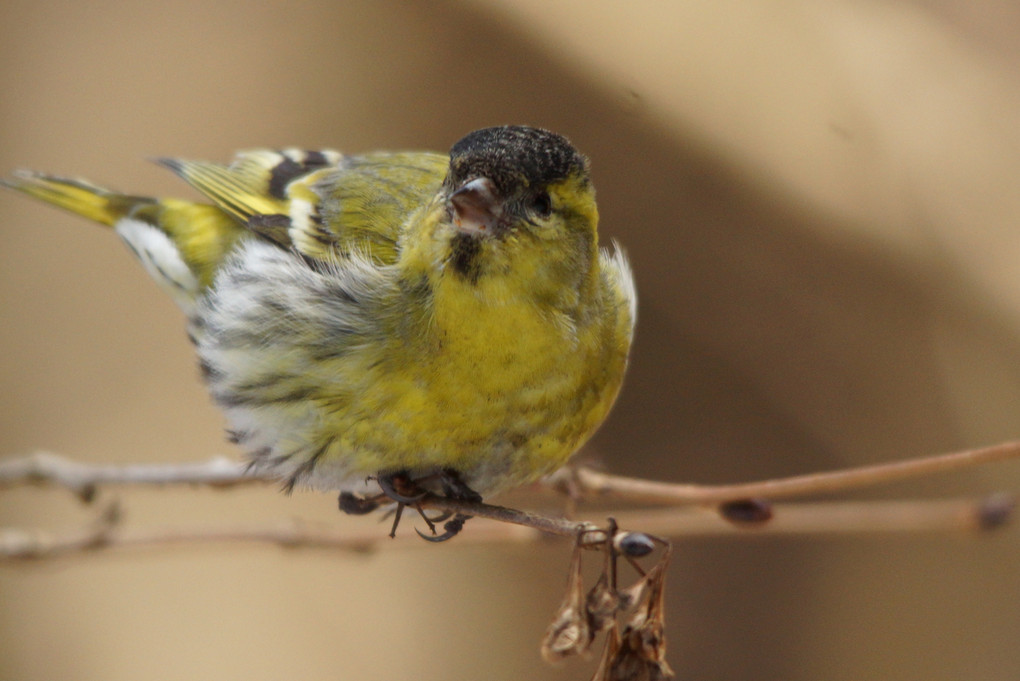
(541, 205)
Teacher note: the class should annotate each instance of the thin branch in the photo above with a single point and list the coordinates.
(842, 517)
(106, 533)
(557, 526)
(46, 468)
(590, 481)
(516, 525)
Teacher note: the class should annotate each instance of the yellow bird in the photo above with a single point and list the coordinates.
(389, 324)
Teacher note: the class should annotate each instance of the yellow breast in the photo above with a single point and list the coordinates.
(493, 386)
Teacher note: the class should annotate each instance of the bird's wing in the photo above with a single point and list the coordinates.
(321, 203)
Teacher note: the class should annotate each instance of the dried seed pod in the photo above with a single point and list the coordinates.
(630, 661)
(570, 632)
(602, 605)
(642, 653)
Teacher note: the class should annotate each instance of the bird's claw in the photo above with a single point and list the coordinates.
(435, 520)
(450, 529)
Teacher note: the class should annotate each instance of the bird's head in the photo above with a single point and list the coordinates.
(517, 211)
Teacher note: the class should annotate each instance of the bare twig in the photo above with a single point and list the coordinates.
(46, 468)
(516, 525)
(790, 519)
(841, 517)
(590, 481)
(107, 534)
(557, 526)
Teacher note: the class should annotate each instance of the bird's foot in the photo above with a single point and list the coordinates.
(401, 488)
(453, 488)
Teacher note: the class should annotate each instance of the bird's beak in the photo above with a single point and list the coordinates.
(475, 208)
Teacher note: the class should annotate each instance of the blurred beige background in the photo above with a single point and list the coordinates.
(820, 198)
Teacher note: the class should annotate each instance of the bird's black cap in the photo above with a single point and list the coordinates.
(513, 157)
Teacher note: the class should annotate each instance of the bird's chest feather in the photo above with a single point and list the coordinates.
(493, 346)
(501, 379)
(481, 366)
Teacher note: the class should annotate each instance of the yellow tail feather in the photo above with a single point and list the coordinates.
(79, 197)
(201, 235)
